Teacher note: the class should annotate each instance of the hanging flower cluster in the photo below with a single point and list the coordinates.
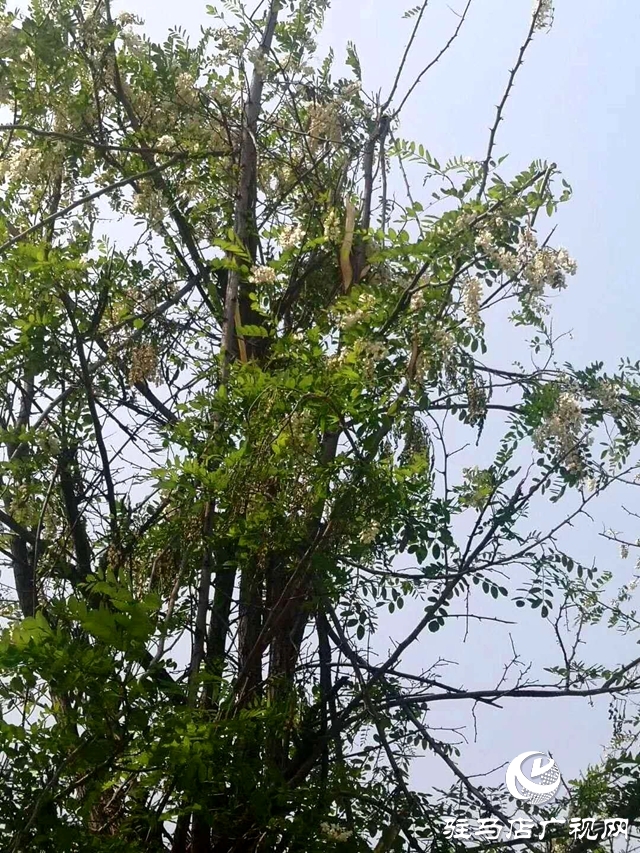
(536, 266)
(365, 302)
(166, 141)
(290, 237)
(259, 61)
(324, 125)
(369, 536)
(472, 297)
(24, 165)
(263, 275)
(144, 364)
(335, 832)
(332, 227)
(544, 19)
(564, 427)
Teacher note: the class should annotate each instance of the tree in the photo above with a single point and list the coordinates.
(224, 420)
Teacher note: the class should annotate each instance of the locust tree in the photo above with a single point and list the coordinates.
(246, 325)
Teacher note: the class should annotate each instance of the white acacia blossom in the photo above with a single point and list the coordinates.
(365, 302)
(368, 536)
(564, 427)
(263, 275)
(536, 267)
(335, 832)
(290, 237)
(332, 227)
(544, 9)
(472, 297)
(324, 125)
(24, 165)
(166, 141)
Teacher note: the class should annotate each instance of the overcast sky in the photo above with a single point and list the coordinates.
(576, 103)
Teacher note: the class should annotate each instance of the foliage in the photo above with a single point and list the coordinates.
(231, 426)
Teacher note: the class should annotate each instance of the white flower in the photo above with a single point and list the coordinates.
(472, 296)
(25, 164)
(290, 237)
(484, 240)
(624, 551)
(166, 141)
(566, 262)
(324, 125)
(544, 10)
(352, 89)
(564, 427)
(186, 88)
(368, 536)
(126, 19)
(335, 832)
(263, 275)
(332, 228)
(350, 320)
(259, 61)
(374, 350)
(418, 301)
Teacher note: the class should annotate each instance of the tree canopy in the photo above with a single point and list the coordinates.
(246, 327)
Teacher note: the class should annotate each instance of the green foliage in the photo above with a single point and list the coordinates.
(228, 437)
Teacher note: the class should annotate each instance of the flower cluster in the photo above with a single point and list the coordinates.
(166, 141)
(544, 10)
(324, 125)
(335, 832)
(144, 364)
(332, 227)
(368, 536)
(127, 19)
(608, 394)
(507, 261)
(472, 297)
(352, 89)
(230, 42)
(538, 267)
(149, 203)
(369, 354)
(291, 236)
(564, 427)
(418, 302)
(543, 266)
(374, 350)
(477, 402)
(25, 164)
(366, 302)
(185, 88)
(442, 354)
(259, 61)
(263, 275)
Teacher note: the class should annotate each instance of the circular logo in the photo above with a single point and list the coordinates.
(542, 783)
